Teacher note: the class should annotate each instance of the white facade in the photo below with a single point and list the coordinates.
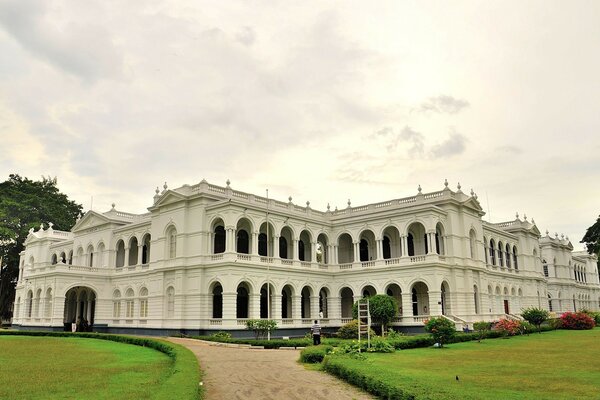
(198, 261)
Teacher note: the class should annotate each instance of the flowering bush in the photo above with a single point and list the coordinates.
(507, 327)
(441, 329)
(482, 328)
(577, 320)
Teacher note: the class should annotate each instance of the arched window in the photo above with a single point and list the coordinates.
(493, 252)
(120, 259)
(129, 309)
(170, 302)
(301, 250)
(411, 245)
(29, 304)
(90, 252)
(387, 249)
(219, 246)
(54, 259)
(48, 306)
(71, 257)
(485, 249)
(217, 301)
(133, 251)
(364, 250)
(545, 267)
(508, 263)
(476, 299)
(146, 249)
(243, 242)
(262, 244)
(473, 244)
(172, 242)
(116, 304)
(515, 257)
(143, 303)
(500, 254)
(283, 246)
(550, 303)
(242, 301)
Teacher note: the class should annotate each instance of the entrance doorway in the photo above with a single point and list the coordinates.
(506, 310)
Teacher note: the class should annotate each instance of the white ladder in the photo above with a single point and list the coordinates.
(364, 322)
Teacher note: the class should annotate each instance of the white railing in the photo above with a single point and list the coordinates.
(392, 261)
(346, 266)
(367, 264)
(287, 262)
(216, 257)
(417, 259)
(305, 264)
(244, 257)
(216, 322)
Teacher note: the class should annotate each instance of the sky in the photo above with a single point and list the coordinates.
(322, 101)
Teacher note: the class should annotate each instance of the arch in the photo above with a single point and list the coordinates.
(492, 251)
(265, 248)
(133, 251)
(171, 242)
(391, 242)
(440, 233)
(286, 240)
(305, 302)
(367, 245)
(129, 304)
(368, 291)
(287, 293)
(54, 259)
(266, 309)
(70, 257)
(100, 255)
(48, 303)
(305, 246)
(476, 299)
(146, 248)
(219, 236)
(508, 256)
(170, 302)
(217, 300)
(515, 260)
(80, 307)
(347, 301)
(545, 268)
(38, 299)
(417, 241)
(120, 257)
(473, 244)
(243, 230)
(242, 302)
(29, 304)
(500, 254)
(420, 298)
(323, 302)
(394, 290)
(322, 249)
(90, 256)
(345, 249)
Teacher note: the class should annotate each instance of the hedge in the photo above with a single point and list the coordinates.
(315, 354)
(335, 366)
(184, 375)
(268, 344)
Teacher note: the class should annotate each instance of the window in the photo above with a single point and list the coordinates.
(143, 303)
(117, 304)
(493, 252)
(515, 257)
(172, 242)
(129, 304)
(170, 302)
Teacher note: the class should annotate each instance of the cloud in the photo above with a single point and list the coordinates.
(246, 36)
(407, 136)
(509, 149)
(85, 50)
(454, 145)
(443, 104)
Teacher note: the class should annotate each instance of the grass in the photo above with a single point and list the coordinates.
(554, 365)
(76, 367)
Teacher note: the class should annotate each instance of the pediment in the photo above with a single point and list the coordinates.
(169, 197)
(472, 203)
(89, 220)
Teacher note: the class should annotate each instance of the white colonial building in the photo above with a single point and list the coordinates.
(202, 257)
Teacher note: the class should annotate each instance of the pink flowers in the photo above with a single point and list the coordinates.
(507, 327)
(578, 320)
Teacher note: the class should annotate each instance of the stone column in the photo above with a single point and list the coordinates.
(254, 306)
(335, 254)
(229, 307)
(334, 307)
(404, 247)
(295, 250)
(254, 250)
(435, 297)
(407, 309)
(276, 308)
(356, 252)
(313, 252)
(276, 247)
(77, 309)
(434, 243)
(89, 311)
(379, 249)
(314, 307)
(297, 308)
(140, 254)
(126, 260)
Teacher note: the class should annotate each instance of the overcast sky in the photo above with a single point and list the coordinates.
(323, 101)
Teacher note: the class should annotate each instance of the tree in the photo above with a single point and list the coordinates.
(592, 239)
(441, 329)
(535, 316)
(26, 204)
(383, 309)
(482, 328)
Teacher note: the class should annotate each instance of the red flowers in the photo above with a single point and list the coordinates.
(507, 327)
(578, 320)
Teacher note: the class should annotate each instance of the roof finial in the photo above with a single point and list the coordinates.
(290, 199)
(349, 203)
(307, 204)
(445, 182)
(165, 186)
(419, 188)
(525, 217)
(562, 236)
(567, 238)
(328, 206)
(532, 220)
(157, 191)
(50, 225)
(113, 205)
(458, 186)
(547, 232)
(517, 215)
(556, 235)
(228, 182)
(472, 193)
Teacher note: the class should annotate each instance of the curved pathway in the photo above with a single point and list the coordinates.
(242, 373)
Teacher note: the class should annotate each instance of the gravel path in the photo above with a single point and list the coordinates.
(240, 373)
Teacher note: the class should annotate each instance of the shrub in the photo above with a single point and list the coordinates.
(507, 327)
(577, 320)
(379, 345)
(594, 315)
(221, 335)
(535, 316)
(442, 330)
(555, 323)
(261, 327)
(525, 328)
(394, 335)
(383, 309)
(350, 330)
(482, 328)
(314, 354)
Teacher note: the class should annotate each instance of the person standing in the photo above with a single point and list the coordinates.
(316, 332)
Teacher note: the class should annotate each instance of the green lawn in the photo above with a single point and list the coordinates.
(552, 365)
(77, 368)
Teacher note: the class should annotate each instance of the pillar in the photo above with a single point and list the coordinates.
(313, 251)
(89, 311)
(276, 246)
(276, 308)
(434, 243)
(254, 306)
(407, 309)
(254, 249)
(314, 307)
(435, 298)
(297, 307)
(140, 254)
(229, 305)
(379, 249)
(295, 250)
(404, 247)
(126, 260)
(335, 254)
(77, 309)
(356, 251)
